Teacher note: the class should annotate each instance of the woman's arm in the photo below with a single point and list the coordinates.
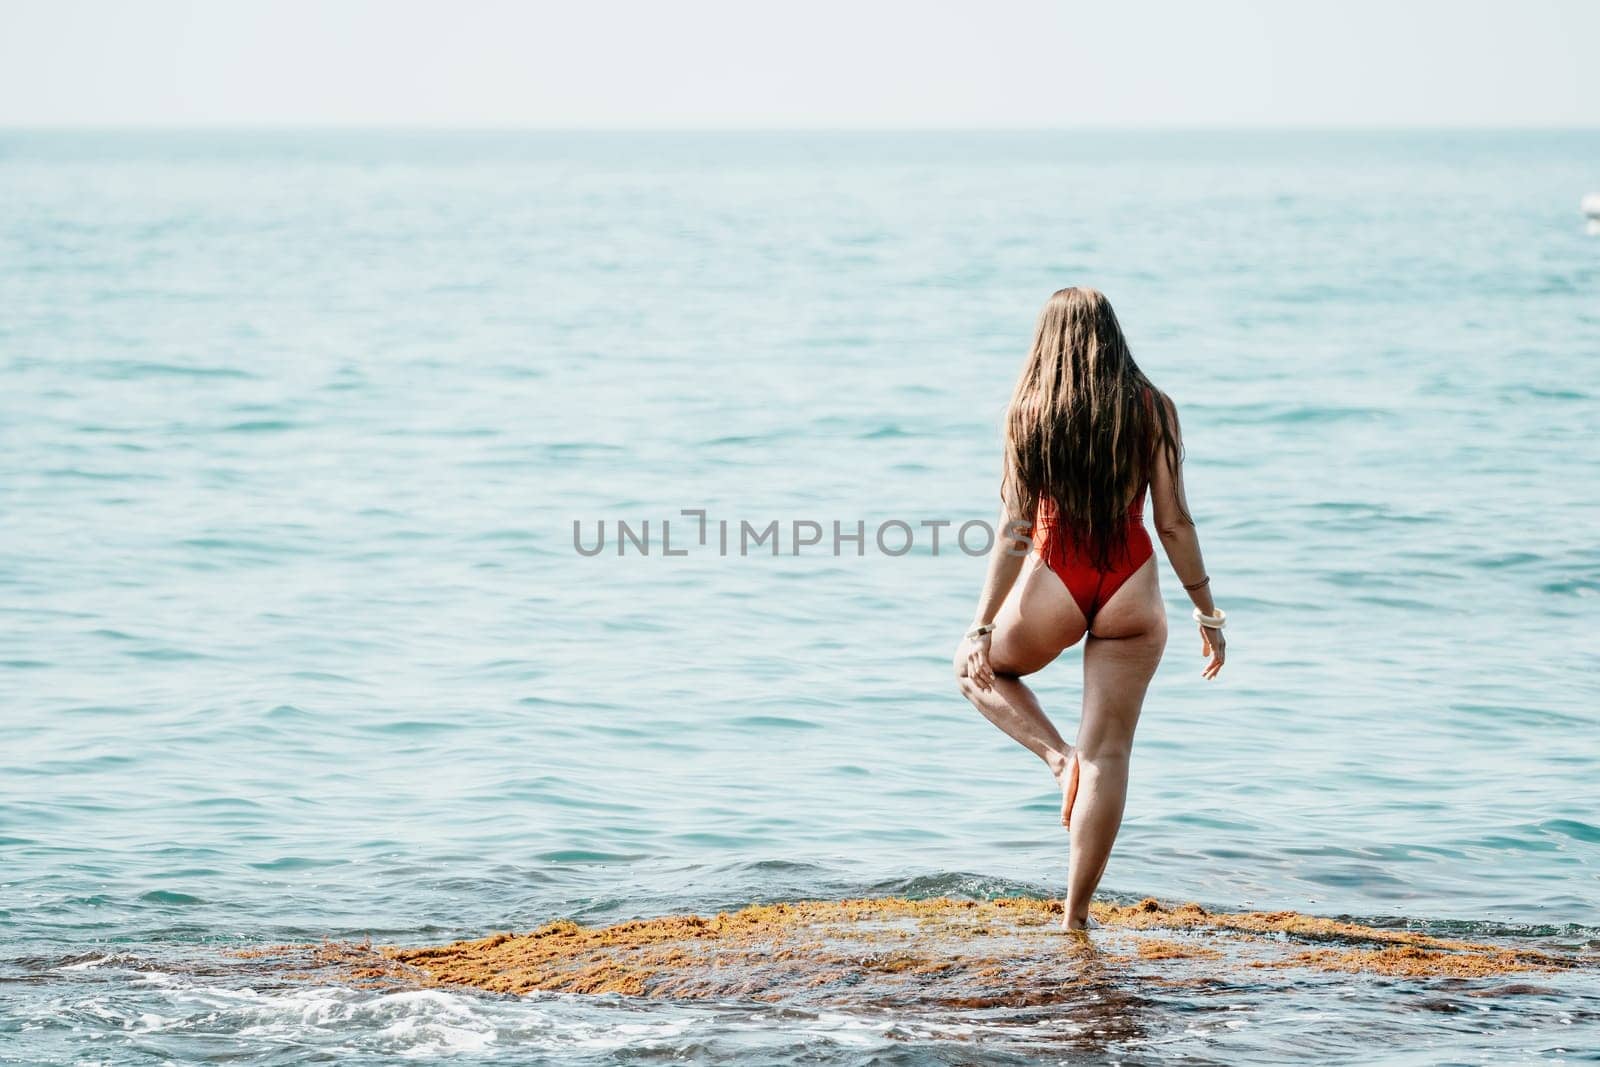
(1181, 540)
(1011, 540)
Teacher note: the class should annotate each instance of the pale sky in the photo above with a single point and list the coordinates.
(821, 63)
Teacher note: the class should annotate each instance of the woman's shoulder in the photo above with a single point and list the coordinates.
(1153, 395)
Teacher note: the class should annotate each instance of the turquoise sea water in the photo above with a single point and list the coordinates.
(296, 642)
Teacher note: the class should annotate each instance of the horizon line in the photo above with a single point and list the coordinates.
(1132, 127)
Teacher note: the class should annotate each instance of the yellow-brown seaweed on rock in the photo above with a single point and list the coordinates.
(1005, 952)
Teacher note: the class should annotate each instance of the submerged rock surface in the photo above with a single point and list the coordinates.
(939, 952)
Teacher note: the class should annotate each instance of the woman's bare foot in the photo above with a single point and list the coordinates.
(1071, 927)
(1069, 787)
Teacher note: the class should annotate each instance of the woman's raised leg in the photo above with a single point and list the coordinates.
(1034, 625)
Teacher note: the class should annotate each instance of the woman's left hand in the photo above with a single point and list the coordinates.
(1212, 644)
(978, 668)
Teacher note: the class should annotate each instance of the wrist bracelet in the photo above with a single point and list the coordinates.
(1211, 622)
(979, 631)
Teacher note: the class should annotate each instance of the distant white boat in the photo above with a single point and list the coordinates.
(1591, 209)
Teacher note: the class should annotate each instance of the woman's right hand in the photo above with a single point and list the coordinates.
(1212, 644)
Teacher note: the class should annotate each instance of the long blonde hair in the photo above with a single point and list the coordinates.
(1085, 426)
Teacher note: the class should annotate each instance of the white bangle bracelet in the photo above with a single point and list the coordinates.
(1211, 622)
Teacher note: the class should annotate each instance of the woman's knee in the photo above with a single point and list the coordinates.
(1101, 756)
(964, 684)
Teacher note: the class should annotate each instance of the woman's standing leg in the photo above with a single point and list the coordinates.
(1116, 673)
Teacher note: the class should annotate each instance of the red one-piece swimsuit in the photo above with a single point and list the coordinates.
(1063, 553)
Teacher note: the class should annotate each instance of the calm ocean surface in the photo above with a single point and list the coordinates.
(296, 643)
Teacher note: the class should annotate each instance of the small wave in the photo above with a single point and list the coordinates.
(884, 433)
(778, 722)
(581, 855)
(297, 863)
(1578, 831)
(168, 896)
(1299, 415)
(260, 426)
(134, 369)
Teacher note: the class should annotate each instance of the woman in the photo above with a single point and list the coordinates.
(1086, 435)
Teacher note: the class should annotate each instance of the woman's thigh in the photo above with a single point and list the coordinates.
(1135, 608)
(1119, 660)
(1037, 621)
